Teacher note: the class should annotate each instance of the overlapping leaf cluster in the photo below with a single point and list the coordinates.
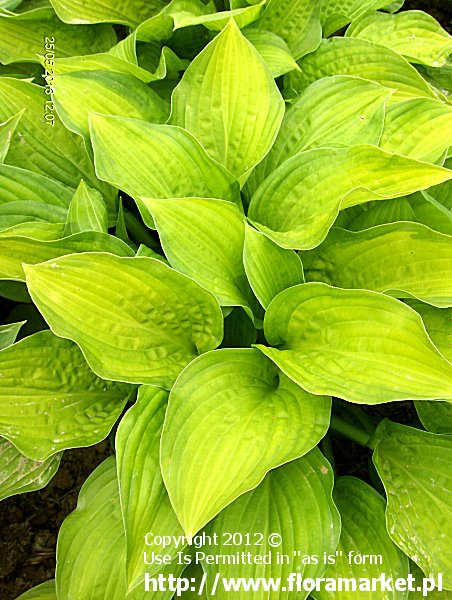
(230, 221)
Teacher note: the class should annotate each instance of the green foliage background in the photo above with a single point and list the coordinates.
(234, 219)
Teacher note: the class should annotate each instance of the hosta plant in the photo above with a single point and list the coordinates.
(225, 244)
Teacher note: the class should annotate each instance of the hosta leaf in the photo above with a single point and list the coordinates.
(109, 11)
(190, 14)
(203, 238)
(15, 250)
(293, 501)
(297, 204)
(35, 230)
(19, 474)
(50, 400)
(104, 62)
(418, 594)
(400, 259)
(363, 532)
(121, 228)
(172, 163)
(81, 93)
(358, 345)
(296, 21)
(228, 100)
(10, 5)
(162, 319)
(418, 207)
(420, 128)
(87, 211)
(91, 549)
(439, 77)
(51, 151)
(195, 572)
(24, 37)
(232, 416)
(269, 268)
(335, 14)
(273, 50)
(394, 6)
(412, 33)
(43, 591)
(144, 500)
(20, 185)
(414, 468)
(343, 111)
(8, 333)
(351, 56)
(25, 211)
(7, 130)
(436, 416)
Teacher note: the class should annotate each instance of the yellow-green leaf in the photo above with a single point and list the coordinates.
(50, 400)
(343, 111)
(361, 346)
(419, 128)
(78, 94)
(400, 259)
(172, 163)
(232, 416)
(414, 467)
(36, 33)
(360, 58)
(19, 474)
(296, 21)
(291, 507)
(299, 201)
(162, 318)
(269, 268)
(203, 238)
(363, 533)
(228, 100)
(108, 11)
(414, 34)
(146, 507)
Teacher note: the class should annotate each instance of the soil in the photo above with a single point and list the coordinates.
(30, 522)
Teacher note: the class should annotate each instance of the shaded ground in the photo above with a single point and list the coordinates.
(29, 523)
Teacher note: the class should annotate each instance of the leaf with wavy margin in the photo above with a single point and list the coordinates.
(297, 204)
(228, 100)
(146, 507)
(294, 502)
(361, 346)
(420, 128)
(414, 34)
(162, 319)
(402, 259)
(91, 548)
(26, 37)
(269, 268)
(363, 532)
(414, 467)
(232, 416)
(172, 162)
(351, 56)
(50, 400)
(19, 474)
